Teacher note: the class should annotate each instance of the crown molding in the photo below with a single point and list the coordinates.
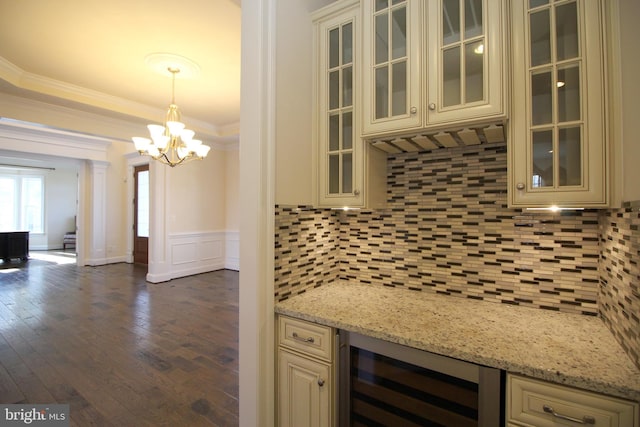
(34, 138)
(24, 80)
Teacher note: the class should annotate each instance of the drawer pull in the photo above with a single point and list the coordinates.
(299, 338)
(587, 419)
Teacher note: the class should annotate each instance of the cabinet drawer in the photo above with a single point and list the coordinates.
(306, 337)
(541, 404)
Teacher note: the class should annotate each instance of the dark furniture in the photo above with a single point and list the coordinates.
(14, 244)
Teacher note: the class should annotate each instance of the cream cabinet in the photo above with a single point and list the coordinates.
(433, 64)
(306, 375)
(465, 61)
(350, 173)
(535, 403)
(558, 151)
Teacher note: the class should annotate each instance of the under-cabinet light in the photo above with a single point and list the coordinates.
(554, 209)
(346, 208)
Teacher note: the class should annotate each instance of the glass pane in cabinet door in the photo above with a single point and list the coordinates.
(394, 2)
(536, 3)
(450, 21)
(347, 43)
(473, 18)
(541, 98)
(542, 147)
(382, 38)
(334, 173)
(570, 156)
(399, 33)
(381, 4)
(334, 48)
(474, 71)
(540, 33)
(334, 90)
(347, 173)
(451, 76)
(334, 132)
(347, 131)
(566, 31)
(382, 92)
(347, 87)
(568, 85)
(399, 89)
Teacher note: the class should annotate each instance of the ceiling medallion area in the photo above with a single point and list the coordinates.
(161, 62)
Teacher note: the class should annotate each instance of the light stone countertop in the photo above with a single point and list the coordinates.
(569, 349)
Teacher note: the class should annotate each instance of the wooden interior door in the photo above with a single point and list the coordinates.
(141, 215)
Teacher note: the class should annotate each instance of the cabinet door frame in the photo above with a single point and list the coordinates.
(495, 66)
(326, 19)
(593, 193)
(413, 117)
(317, 404)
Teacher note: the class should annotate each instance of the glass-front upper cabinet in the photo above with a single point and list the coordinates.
(558, 147)
(391, 85)
(465, 61)
(349, 173)
(430, 64)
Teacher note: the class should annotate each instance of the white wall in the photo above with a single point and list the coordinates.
(294, 180)
(61, 190)
(630, 70)
(232, 189)
(196, 195)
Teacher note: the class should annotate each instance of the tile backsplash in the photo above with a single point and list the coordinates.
(306, 249)
(619, 295)
(446, 229)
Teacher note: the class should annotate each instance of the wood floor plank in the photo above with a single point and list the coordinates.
(121, 351)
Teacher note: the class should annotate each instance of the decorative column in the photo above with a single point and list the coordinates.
(159, 255)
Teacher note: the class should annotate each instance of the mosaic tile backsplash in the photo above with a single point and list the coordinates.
(619, 296)
(306, 249)
(446, 229)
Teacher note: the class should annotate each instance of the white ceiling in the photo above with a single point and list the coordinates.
(90, 54)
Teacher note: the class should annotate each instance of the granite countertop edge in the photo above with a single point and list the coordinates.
(620, 379)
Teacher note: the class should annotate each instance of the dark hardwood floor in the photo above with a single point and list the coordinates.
(121, 351)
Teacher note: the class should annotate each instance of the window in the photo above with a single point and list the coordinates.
(22, 201)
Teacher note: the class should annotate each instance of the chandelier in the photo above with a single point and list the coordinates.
(171, 143)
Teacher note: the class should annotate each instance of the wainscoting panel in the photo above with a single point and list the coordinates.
(232, 250)
(194, 253)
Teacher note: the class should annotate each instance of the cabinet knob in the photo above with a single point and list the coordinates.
(413, 110)
(320, 382)
(520, 186)
(356, 192)
(432, 106)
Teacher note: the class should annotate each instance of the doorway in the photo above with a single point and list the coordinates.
(141, 215)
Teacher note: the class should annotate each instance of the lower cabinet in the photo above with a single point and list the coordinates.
(306, 374)
(535, 403)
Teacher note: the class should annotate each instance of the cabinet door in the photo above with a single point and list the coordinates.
(465, 62)
(304, 391)
(340, 156)
(391, 60)
(558, 149)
